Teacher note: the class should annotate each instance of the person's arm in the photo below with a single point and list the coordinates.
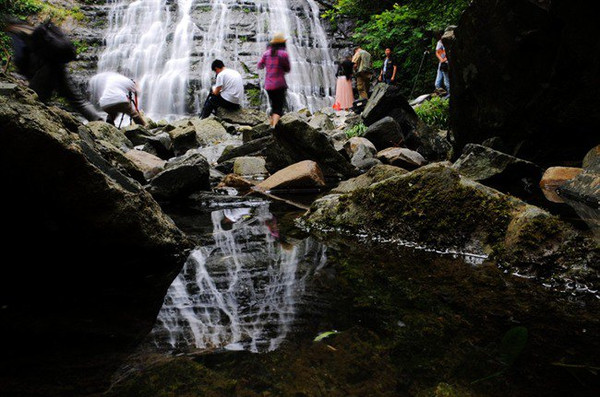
(285, 62)
(217, 90)
(261, 63)
(219, 83)
(394, 72)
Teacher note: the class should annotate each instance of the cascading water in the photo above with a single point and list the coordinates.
(242, 292)
(137, 45)
(168, 47)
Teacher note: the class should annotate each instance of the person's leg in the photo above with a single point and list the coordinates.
(209, 106)
(438, 78)
(361, 85)
(129, 110)
(277, 98)
(446, 82)
(113, 111)
(43, 81)
(67, 89)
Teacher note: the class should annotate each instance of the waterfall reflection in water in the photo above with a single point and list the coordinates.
(243, 292)
(168, 47)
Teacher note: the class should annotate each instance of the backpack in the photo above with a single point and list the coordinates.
(51, 43)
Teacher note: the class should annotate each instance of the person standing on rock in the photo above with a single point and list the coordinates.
(390, 66)
(344, 95)
(362, 66)
(116, 94)
(41, 55)
(276, 62)
(442, 70)
(228, 91)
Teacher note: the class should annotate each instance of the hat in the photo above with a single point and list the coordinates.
(278, 38)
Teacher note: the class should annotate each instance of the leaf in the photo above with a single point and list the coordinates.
(324, 335)
(512, 345)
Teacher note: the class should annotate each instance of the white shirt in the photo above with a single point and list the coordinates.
(112, 88)
(233, 85)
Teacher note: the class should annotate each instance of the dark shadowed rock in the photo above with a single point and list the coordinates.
(385, 133)
(181, 177)
(527, 72)
(500, 171)
(294, 140)
(387, 100)
(93, 254)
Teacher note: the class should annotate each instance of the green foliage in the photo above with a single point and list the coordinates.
(434, 112)
(356, 130)
(408, 27)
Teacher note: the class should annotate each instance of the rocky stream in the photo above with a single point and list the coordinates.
(218, 257)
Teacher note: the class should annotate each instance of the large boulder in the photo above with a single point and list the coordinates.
(501, 171)
(294, 140)
(526, 71)
(435, 207)
(92, 253)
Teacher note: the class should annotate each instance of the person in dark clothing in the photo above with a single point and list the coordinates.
(45, 75)
(390, 66)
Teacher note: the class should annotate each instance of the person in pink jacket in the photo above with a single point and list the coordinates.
(276, 62)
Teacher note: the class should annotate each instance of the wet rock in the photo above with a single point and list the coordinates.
(183, 138)
(137, 134)
(104, 251)
(243, 116)
(321, 121)
(302, 175)
(591, 161)
(257, 131)
(500, 171)
(376, 174)
(385, 133)
(236, 181)
(256, 147)
(110, 133)
(160, 145)
(148, 163)
(553, 178)
(294, 140)
(401, 157)
(361, 152)
(249, 166)
(436, 207)
(387, 100)
(181, 177)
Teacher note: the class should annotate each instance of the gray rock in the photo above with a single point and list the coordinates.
(181, 177)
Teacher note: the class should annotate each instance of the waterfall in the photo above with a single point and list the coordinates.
(168, 47)
(243, 291)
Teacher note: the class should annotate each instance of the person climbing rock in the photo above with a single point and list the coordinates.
(228, 91)
(116, 94)
(276, 62)
(41, 55)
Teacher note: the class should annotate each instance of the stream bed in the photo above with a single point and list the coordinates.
(263, 309)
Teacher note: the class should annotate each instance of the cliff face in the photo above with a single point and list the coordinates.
(527, 72)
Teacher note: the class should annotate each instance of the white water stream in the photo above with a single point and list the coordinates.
(168, 47)
(242, 292)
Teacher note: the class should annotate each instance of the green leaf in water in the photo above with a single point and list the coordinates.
(324, 335)
(512, 345)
